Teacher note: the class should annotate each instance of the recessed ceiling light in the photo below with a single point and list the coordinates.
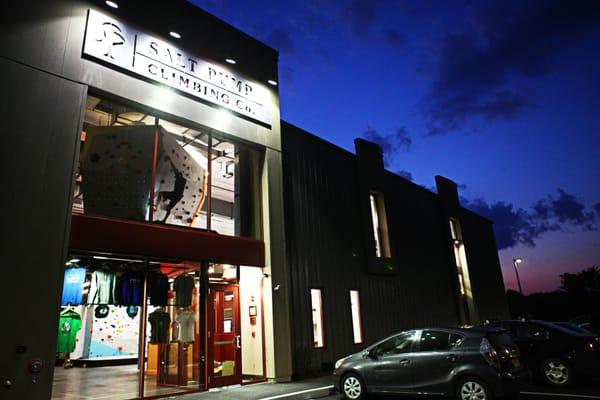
(230, 60)
(272, 82)
(175, 35)
(112, 4)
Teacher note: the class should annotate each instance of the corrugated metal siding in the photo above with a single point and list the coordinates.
(326, 250)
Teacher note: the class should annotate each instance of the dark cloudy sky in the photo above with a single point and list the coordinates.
(502, 97)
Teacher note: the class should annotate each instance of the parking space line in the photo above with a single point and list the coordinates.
(281, 396)
(580, 396)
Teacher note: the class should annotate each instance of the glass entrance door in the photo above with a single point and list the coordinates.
(224, 340)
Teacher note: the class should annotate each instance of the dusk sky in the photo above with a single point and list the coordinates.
(501, 97)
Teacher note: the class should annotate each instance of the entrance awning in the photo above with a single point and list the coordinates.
(119, 236)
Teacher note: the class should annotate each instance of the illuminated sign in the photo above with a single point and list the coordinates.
(110, 41)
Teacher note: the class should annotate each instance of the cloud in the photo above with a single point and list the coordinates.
(405, 174)
(479, 69)
(394, 38)
(390, 144)
(361, 15)
(596, 208)
(280, 40)
(514, 226)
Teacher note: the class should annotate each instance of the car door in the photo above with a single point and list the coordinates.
(435, 357)
(392, 362)
(532, 341)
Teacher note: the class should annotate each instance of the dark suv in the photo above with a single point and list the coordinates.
(554, 353)
(472, 363)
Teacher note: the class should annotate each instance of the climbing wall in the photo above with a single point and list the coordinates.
(179, 183)
(116, 169)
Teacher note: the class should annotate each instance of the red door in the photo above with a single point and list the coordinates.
(224, 340)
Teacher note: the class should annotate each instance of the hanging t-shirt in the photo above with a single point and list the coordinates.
(159, 326)
(73, 286)
(185, 326)
(158, 288)
(102, 288)
(68, 326)
(131, 288)
(184, 288)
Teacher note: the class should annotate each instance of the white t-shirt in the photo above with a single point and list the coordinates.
(185, 324)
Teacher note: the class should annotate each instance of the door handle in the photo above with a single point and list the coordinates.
(404, 361)
(451, 357)
(238, 341)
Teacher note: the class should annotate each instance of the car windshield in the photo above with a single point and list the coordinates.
(556, 327)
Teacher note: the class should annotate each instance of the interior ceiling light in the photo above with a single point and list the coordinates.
(230, 61)
(112, 4)
(272, 82)
(175, 35)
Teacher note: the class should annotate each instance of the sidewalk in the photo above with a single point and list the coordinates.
(305, 389)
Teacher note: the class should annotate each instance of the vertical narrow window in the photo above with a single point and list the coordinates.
(462, 269)
(317, 317)
(380, 227)
(356, 316)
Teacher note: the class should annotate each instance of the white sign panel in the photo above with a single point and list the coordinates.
(113, 42)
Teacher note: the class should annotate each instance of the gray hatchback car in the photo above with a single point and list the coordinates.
(470, 363)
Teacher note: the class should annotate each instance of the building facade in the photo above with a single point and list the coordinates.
(168, 233)
(378, 253)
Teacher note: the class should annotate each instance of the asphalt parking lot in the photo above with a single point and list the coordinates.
(582, 391)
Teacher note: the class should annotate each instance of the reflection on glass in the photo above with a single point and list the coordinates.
(181, 176)
(99, 323)
(173, 330)
(235, 187)
(134, 165)
(225, 332)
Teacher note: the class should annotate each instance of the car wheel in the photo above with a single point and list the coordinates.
(352, 387)
(556, 372)
(472, 388)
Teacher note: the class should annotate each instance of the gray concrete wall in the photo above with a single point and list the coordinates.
(41, 118)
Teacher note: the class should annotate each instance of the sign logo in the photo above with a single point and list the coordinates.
(114, 43)
(112, 35)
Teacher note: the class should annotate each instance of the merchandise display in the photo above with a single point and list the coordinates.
(159, 322)
(158, 288)
(184, 288)
(185, 326)
(102, 288)
(101, 311)
(131, 286)
(68, 326)
(73, 286)
(114, 295)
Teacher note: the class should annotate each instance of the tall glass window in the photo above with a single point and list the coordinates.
(138, 166)
(317, 317)
(467, 306)
(356, 316)
(379, 225)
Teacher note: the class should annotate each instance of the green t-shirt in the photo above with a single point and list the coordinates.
(68, 326)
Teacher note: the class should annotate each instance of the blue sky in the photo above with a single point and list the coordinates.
(501, 97)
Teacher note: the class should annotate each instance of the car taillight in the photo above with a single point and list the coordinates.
(489, 354)
(593, 346)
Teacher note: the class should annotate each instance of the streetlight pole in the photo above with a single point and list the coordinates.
(515, 262)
